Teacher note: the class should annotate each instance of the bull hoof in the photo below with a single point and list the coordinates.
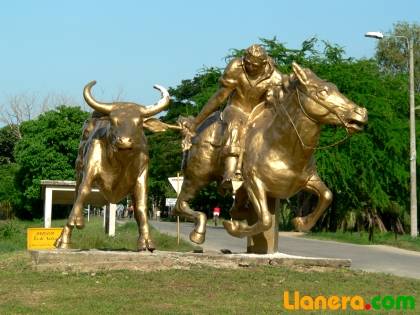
(232, 227)
(302, 224)
(145, 244)
(76, 221)
(197, 237)
(60, 244)
(150, 246)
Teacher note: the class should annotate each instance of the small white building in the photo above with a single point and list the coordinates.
(63, 192)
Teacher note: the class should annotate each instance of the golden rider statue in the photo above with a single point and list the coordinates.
(246, 82)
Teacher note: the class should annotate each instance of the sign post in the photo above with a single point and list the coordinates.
(176, 183)
(42, 238)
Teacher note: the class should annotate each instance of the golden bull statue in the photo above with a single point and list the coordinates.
(276, 123)
(113, 155)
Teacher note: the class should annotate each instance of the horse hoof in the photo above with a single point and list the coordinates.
(197, 237)
(232, 228)
(301, 224)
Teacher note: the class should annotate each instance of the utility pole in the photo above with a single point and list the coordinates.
(413, 175)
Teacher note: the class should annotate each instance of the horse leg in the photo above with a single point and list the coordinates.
(315, 186)
(182, 208)
(258, 198)
(139, 198)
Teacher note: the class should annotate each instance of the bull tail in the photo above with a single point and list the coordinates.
(184, 159)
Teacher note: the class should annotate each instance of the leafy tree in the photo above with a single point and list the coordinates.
(165, 161)
(8, 140)
(9, 193)
(47, 150)
(282, 55)
(191, 95)
(392, 52)
(365, 171)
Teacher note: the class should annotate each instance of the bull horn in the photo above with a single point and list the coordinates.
(159, 106)
(104, 108)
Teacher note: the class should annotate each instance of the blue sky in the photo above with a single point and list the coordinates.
(127, 46)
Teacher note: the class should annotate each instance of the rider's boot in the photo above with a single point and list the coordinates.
(231, 175)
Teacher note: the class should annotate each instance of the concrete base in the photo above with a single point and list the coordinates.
(97, 260)
(266, 242)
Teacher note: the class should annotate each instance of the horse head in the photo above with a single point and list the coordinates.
(323, 103)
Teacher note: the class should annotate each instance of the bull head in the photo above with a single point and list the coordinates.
(126, 119)
(106, 108)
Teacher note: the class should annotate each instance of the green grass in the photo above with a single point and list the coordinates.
(13, 236)
(200, 290)
(253, 290)
(402, 241)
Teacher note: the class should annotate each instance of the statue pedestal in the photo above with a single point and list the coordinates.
(101, 261)
(268, 241)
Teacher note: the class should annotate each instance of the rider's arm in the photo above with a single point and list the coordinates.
(213, 104)
(228, 83)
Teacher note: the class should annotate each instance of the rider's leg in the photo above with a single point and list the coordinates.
(232, 151)
(230, 168)
(236, 121)
(238, 170)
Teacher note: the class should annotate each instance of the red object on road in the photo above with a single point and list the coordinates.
(216, 211)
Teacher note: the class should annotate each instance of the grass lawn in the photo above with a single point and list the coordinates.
(196, 291)
(252, 290)
(13, 236)
(402, 241)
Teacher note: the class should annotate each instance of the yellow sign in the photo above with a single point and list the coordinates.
(42, 238)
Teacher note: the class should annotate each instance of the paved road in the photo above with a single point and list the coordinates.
(373, 258)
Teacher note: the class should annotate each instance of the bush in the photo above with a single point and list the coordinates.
(6, 211)
(8, 229)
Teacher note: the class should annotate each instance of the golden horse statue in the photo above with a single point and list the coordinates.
(282, 135)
